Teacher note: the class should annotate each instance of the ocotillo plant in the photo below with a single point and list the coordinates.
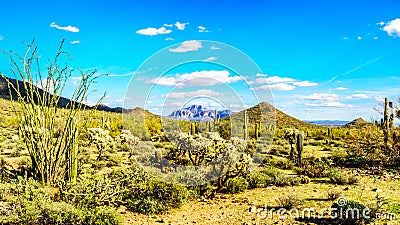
(299, 147)
(52, 144)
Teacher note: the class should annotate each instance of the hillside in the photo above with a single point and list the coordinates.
(63, 102)
(357, 123)
(269, 113)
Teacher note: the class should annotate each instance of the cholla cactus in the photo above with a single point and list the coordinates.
(101, 139)
(129, 140)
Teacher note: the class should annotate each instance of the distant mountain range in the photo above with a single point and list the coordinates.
(198, 113)
(331, 123)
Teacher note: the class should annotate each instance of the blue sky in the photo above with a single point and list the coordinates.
(318, 59)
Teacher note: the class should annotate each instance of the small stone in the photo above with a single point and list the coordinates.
(346, 188)
(252, 209)
(160, 220)
(377, 190)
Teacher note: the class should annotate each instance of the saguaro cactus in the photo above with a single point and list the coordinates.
(299, 146)
(192, 129)
(386, 122)
(245, 125)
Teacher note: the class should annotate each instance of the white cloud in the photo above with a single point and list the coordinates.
(329, 104)
(274, 79)
(214, 47)
(345, 38)
(358, 96)
(381, 23)
(204, 92)
(181, 26)
(379, 99)
(322, 97)
(197, 78)
(151, 31)
(187, 46)
(67, 28)
(393, 27)
(1, 38)
(261, 75)
(305, 84)
(169, 39)
(375, 38)
(359, 38)
(202, 29)
(75, 42)
(212, 58)
(168, 25)
(276, 87)
(340, 89)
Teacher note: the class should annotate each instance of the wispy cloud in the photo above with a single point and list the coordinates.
(202, 29)
(358, 96)
(1, 38)
(393, 28)
(66, 28)
(305, 84)
(202, 92)
(169, 39)
(274, 79)
(181, 26)
(214, 47)
(211, 58)
(275, 87)
(75, 42)
(280, 83)
(197, 78)
(359, 38)
(322, 97)
(187, 46)
(340, 89)
(168, 25)
(329, 104)
(151, 31)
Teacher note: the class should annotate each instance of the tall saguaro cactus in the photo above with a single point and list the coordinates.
(245, 125)
(299, 147)
(386, 122)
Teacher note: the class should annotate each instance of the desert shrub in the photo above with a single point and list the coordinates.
(154, 196)
(236, 185)
(333, 194)
(313, 167)
(270, 176)
(29, 202)
(351, 212)
(338, 177)
(289, 201)
(285, 164)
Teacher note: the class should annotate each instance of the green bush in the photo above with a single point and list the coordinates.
(236, 185)
(289, 202)
(338, 177)
(154, 196)
(313, 168)
(271, 176)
